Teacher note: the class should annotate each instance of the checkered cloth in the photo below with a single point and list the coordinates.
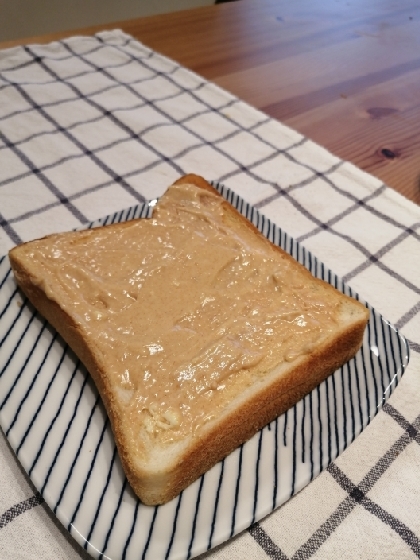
(92, 125)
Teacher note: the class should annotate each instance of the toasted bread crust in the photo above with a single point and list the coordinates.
(238, 425)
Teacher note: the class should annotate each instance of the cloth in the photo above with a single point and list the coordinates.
(91, 125)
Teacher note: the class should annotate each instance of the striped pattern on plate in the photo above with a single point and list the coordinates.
(54, 420)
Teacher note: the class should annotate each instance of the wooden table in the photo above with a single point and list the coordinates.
(346, 73)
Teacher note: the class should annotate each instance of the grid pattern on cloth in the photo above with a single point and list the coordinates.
(92, 125)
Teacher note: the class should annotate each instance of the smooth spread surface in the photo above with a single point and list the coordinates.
(184, 307)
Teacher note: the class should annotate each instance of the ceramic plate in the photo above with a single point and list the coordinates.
(52, 416)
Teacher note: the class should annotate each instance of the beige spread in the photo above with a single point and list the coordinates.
(183, 307)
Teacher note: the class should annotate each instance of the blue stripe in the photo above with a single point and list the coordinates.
(335, 423)
(101, 499)
(294, 451)
(79, 449)
(216, 504)
(318, 392)
(28, 357)
(130, 535)
(344, 372)
(404, 349)
(276, 462)
(238, 481)
(352, 403)
(88, 474)
(117, 509)
(41, 404)
(10, 329)
(6, 276)
(373, 368)
(389, 363)
(302, 430)
(383, 366)
(149, 536)
(326, 387)
(174, 526)
(311, 442)
(358, 395)
(257, 475)
(42, 444)
(197, 509)
(31, 384)
(66, 432)
(8, 303)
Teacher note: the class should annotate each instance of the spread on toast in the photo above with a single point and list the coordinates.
(181, 314)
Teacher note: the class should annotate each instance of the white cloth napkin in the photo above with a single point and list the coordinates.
(91, 125)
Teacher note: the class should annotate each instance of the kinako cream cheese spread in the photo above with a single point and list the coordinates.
(184, 308)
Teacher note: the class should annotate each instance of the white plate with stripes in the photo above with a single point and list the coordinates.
(53, 418)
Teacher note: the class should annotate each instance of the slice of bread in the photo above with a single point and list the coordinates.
(195, 328)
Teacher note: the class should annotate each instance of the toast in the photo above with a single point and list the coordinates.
(196, 329)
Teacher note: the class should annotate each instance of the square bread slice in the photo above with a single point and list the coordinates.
(195, 328)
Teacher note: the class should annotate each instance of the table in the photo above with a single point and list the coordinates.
(73, 152)
(345, 74)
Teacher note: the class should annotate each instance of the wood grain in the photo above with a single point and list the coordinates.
(346, 73)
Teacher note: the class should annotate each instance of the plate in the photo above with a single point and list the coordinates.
(55, 422)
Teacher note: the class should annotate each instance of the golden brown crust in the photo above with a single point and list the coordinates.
(236, 427)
